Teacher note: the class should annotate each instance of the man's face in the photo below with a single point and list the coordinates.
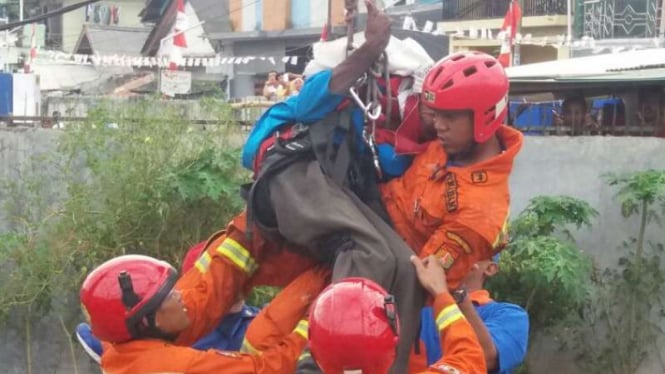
(650, 108)
(171, 317)
(573, 114)
(479, 272)
(454, 130)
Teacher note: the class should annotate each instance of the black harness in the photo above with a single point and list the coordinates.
(334, 144)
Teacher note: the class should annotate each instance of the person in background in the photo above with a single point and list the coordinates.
(273, 87)
(652, 109)
(575, 116)
(295, 86)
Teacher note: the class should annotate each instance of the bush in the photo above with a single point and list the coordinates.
(136, 179)
(546, 275)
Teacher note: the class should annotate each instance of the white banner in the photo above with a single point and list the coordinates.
(175, 82)
(162, 62)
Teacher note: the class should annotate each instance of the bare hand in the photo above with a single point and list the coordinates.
(377, 31)
(431, 274)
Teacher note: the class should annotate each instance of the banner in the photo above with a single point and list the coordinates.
(175, 82)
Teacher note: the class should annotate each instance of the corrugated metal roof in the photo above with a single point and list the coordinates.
(110, 40)
(592, 65)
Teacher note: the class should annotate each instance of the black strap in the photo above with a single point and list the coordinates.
(335, 159)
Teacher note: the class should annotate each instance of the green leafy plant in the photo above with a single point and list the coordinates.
(132, 178)
(546, 275)
(621, 323)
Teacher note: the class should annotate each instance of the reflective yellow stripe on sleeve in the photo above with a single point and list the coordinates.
(447, 316)
(240, 256)
(248, 348)
(302, 328)
(203, 263)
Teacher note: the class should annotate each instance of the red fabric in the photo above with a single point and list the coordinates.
(192, 255)
(510, 24)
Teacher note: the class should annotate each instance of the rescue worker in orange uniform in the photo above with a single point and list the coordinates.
(453, 201)
(353, 327)
(136, 305)
(369, 343)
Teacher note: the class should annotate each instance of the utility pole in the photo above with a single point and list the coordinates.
(661, 29)
(517, 57)
(569, 10)
(329, 21)
(20, 10)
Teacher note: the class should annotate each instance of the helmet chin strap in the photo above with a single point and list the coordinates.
(466, 154)
(148, 329)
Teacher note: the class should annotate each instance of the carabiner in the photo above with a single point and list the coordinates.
(371, 113)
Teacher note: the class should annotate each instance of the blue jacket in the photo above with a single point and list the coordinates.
(230, 332)
(508, 325)
(312, 104)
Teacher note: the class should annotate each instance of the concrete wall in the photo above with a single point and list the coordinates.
(546, 166)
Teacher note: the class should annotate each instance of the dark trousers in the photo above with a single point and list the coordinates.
(314, 212)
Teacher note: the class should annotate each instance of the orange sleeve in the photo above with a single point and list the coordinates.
(280, 358)
(283, 313)
(460, 247)
(213, 285)
(462, 352)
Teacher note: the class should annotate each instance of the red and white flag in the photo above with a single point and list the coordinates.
(179, 41)
(510, 24)
(324, 33)
(33, 52)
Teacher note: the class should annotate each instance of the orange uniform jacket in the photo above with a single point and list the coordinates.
(233, 265)
(208, 290)
(156, 356)
(457, 213)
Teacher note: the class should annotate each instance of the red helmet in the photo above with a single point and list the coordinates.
(119, 294)
(470, 81)
(353, 326)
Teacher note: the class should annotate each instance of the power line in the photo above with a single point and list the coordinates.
(44, 16)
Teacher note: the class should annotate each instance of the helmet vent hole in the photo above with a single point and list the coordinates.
(489, 64)
(437, 73)
(457, 57)
(448, 84)
(470, 71)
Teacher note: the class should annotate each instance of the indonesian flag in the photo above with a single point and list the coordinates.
(324, 33)
(33, 52)
(510, 23)
(179, 42)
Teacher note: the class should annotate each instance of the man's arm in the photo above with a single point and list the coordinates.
(459, 247)
(282, 314)
(280, 358)
(377, 36)
(462, 352)
(216, 280)
(484, 337)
